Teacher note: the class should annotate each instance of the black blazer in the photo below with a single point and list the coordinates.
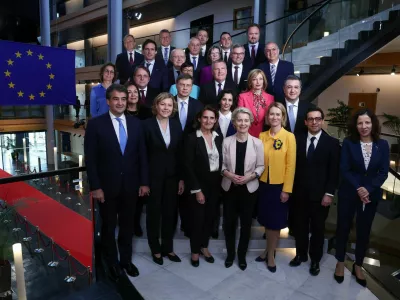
(107, 168)
(320, 174)
(208, 92)
(260, 56)
(194, 106)
(285, 68)
(163, 161)
(151, 94)
(187, 51)
(160, 56)
(200, 64)
(124, 69)
(300, 127)
(171, 77)
(159, 76)
(197, 166)
(142, 113)
(242, 86)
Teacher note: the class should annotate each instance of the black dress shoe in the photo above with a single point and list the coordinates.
(114, 272)
(229, 261)
(157, 260)
(242, 263)
(362, 282)
(195, 263)
(174, 258)
(297, 260)
(314, 268)
(131, 269)
(209, 259)
(138, 231)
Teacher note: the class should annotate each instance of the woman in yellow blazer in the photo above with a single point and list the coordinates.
(276, 182)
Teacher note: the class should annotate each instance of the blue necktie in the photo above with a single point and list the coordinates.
(273, 72)
(194, 62)
(311, 148)
(182, 115)
(219, 88)
(292, 120)
(122, 135)
(166, 56)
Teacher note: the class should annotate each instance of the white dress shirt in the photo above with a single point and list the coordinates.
(145, 92)
(255, 48)
(224, 121)
(151, 66)
(203, 50)
(228, 53)
(186, 106)
(133, 55)
(295, 108)
(116, 124)
(240, 70)
(217, 86)
(165, 134)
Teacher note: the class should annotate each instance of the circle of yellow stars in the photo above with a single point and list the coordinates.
(11, 85)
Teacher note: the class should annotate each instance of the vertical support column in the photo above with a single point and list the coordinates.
(126, 25)
(114, 22)
(259, 17)
(88, 52)
(275, 9)
(46, 41)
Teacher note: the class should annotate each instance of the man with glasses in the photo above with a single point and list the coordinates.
(238, 69)
(193, 55)
(178, 57)
(225, 41)
(128, 60)
(158, 70)
(316, 179)
(165, 50)
(141, 77)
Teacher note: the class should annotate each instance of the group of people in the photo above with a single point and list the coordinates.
(234, 132)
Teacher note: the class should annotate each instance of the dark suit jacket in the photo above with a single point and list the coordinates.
(160, 56)
(151, 94)
(242, 86)
(163, 161)
(107, 168)
(124, 69)
(231, 130)
(187, 51)
(300, 127)
(208, 93)
(320, 174)
(285, 68)
(260, 56)
(200, 64)
(353, 172)
(197, 166)
(194, 107)
(159, 76)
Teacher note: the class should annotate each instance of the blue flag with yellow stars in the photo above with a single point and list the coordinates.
(36, 75)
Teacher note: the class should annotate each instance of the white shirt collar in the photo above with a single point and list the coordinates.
(222, 83)
(199, 133)
(145, 89)
(197, 56)
(150, 62)
(227, 116)
(317, 136)
(182, 100)
(255, 44)
(275, 64)
(239, 65)
(122, 117)
(295, 103)
(168, 47)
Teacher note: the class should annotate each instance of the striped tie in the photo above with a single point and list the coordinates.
(273, 72)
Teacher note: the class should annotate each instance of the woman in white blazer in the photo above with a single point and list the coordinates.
(243, 163)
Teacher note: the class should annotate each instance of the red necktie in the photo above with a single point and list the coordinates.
(143, 97)
(130, 59)
(253, 53)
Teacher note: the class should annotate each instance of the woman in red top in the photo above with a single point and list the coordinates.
(256, 99)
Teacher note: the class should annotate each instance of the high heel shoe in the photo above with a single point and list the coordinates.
(157, 260)
(339, 278)
(195, 263)
(362, 282)
(271, 269)
(209, 259)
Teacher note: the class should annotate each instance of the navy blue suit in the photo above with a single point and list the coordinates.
(159, 76)
(119, 176)
(354, 175)
(124, 69)
(160, 56)
(260, 56)
(285, 68)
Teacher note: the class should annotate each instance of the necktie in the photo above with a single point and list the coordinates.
(130, 59)
(253, 53)
(311, 148)
(148, 67)
(219, 88)
(182, 115)
(226, 57)
(142, 97)
(273, 72)
(194, 62)
(236, 75)
(122, 135)
(166, 56)
(292, 120)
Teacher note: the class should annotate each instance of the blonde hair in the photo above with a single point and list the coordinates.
(242, 110)
(254, 73)
(282, 109)
(161, 97)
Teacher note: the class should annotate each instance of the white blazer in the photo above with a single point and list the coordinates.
(253, 161)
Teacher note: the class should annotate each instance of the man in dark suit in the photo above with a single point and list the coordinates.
(128, 60)
(141, 77)
(118, 172)
(158, 71)
(193, 55)
(164, 51)
(225, 41)
(209, 92)
(202, 35)
(178, 57)
(238, 69)
(317, 175)
(254, 49)
(276, 70)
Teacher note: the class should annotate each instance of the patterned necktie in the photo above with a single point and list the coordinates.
(292, 120)
(226, 57)
(130, 59)
(122, 135)
(311, 148)
(219, 88)
(253, 53)
(182, 115)
(194, 62)
(236, 75)
(142, 97)
(273, 72)
(166, 56)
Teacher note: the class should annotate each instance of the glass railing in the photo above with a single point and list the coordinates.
(21, 112)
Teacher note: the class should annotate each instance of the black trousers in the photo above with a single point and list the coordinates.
(121, 208)
(238, 202)
(310, 217)
(202, 216)
(347, 208)
(138, 211)
(161, 210)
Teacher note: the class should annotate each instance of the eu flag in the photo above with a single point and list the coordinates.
(36, 75)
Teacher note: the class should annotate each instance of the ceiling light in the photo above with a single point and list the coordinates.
(393, 71)
(138, 15)
(361, 72)
(326, 33)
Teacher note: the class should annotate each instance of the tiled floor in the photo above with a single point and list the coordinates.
(175, 281)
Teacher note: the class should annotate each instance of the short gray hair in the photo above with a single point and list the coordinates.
(237, 46)
(242, 110)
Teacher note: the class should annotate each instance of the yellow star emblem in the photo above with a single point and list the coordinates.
(52, 76)
(8, 74)
(31, 97)
(18, 54)
(10, 62)
(11, 85)
(48, 65)
(42, 94)
(29, 52)
(40, 56)
(49, 86)
(20, 94)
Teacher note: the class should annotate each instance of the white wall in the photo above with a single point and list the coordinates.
(77, 144)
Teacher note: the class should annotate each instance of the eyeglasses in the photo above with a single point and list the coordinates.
(317, 119)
